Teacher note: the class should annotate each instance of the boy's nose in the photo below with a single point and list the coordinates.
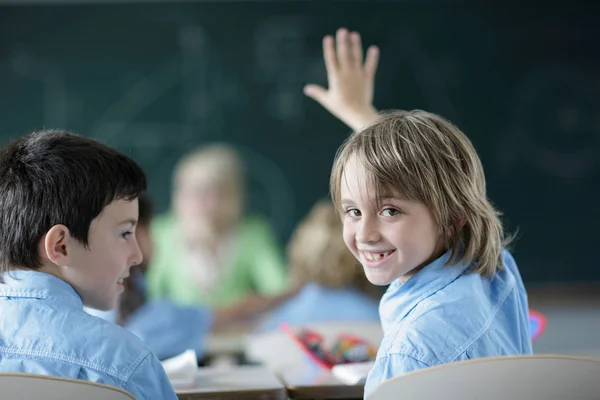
(368, 231)
(137, 256)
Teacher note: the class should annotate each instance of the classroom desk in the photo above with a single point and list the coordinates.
(303, 379)
(308, 382)
(267, 348)
(239, 383)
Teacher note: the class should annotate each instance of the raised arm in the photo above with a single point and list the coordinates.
(351, 78)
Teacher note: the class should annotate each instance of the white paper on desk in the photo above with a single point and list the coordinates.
(182, 369)
(354, 373)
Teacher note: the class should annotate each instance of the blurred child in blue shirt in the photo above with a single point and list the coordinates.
(333, 287)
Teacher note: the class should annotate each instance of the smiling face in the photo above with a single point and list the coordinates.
(97, 271)
(391, 241)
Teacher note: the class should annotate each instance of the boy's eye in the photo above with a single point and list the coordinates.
(125, 235)
(353, 212)
(390, 212)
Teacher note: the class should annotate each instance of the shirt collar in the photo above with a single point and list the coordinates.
(401, 298)
(38, 285)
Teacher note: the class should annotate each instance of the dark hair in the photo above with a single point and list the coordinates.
(57, 177)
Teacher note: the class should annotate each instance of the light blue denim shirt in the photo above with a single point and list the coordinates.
(316, 303)
(167, 328)
(44, 330)
(445, 314)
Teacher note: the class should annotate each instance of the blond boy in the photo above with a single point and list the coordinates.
(411, 192)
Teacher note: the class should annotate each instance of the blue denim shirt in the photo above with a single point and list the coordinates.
(167, 328)
(44, 330)
(445, 314)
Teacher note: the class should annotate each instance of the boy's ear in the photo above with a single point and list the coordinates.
(55, 245)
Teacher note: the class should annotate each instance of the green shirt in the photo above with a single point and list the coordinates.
(257, 266)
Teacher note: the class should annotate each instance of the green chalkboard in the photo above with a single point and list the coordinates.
(157, 79)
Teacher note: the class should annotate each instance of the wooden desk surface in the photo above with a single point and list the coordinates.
(311, 382)
(240, 383)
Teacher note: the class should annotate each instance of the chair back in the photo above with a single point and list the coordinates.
(530, 377)
(18, 386)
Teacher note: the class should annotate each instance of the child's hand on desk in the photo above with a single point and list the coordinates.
(350, 93)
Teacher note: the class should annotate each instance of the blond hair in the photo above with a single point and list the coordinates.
(423, 157)
(317, 252)
(223, 165)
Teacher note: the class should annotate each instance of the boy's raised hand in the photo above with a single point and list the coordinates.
(351, 80)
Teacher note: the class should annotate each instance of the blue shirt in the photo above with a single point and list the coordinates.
(168, 329)
(444, 314)
(44, 330)
(316, 303)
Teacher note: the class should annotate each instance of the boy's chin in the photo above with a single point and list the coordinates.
(378, 279)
